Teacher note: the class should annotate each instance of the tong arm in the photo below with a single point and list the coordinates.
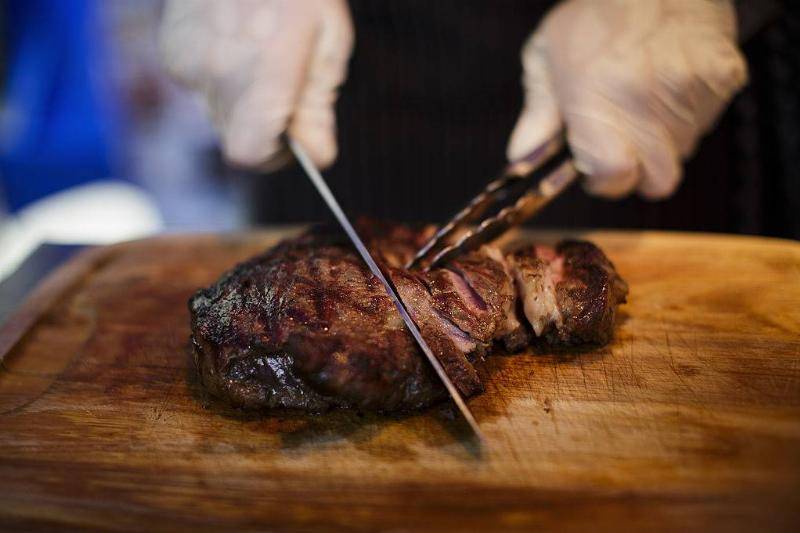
(494, 192)
(526, 206)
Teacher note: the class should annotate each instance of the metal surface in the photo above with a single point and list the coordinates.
(549, 164)
(322, 187)
(44, 260)
(524, 208)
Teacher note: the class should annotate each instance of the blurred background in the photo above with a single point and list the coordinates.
(98, 145)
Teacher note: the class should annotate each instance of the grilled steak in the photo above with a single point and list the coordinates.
(306, 326)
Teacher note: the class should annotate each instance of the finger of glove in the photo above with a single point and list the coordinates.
(622, 96)
(722, 71)
(660, 161)
(252, 105)
(677, 94)
(540, 119)
(313, 123)
(689, 97)
(697, 47)
(601, 146)
(184, 39)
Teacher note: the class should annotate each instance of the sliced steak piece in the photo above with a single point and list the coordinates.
(510, 330)
(570, 293)
(473, 292)
(450, 344)
(488, 274)
(476, 292)
(454, 299)
(537, 288)
(588, 292)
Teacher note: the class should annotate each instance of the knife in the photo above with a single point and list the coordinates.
(316, 178)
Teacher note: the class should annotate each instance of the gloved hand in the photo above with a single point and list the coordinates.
(264, 67)
(635, 82)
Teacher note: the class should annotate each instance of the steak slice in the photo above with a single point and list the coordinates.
(447, 341)
(487, 275)
(570, 293)
(536, 281)
(305, 325)
(588, 293)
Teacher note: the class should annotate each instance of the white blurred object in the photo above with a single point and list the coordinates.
(264, 67)
(95, 213)
(635, 82)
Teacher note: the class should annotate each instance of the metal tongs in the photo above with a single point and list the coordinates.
(550, 170)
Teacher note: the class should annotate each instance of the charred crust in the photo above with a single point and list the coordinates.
(588, 296)
(306, 326)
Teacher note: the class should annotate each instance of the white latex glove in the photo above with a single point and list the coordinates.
(635, 82)
(264, 67)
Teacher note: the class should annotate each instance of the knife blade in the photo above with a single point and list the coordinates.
(319, 183)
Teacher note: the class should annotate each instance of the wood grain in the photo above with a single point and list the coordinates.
(690, 419)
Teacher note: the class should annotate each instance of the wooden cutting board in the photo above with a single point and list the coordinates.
(690, 418)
